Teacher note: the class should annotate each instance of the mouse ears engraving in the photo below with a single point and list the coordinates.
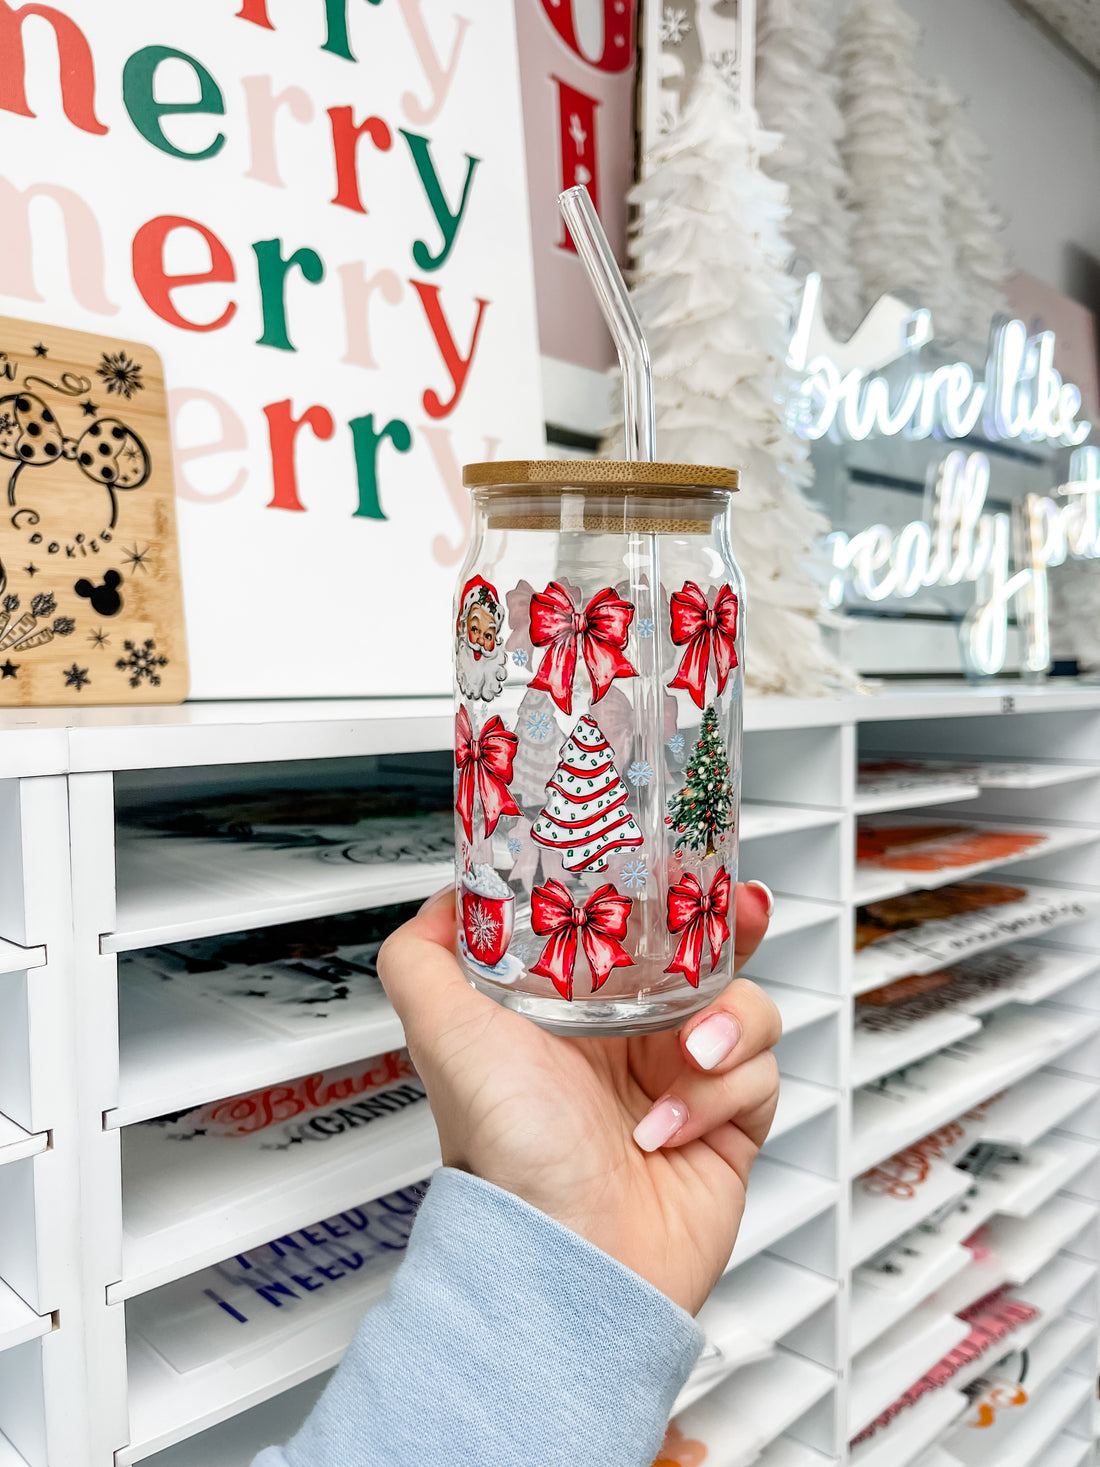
(107, 452)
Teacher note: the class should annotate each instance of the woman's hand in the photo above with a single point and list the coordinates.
(643, 1146)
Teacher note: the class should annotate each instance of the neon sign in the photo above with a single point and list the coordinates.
(1022, 395)
(1005, 558)
(843, 393)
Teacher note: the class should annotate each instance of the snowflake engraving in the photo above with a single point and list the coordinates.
(483, 927)
(674, 26)
(645, 627)
(667, 119)
(634, 874)
(639, 773)
(76, 677)
(676, 743)
(121, 373)
(727, 66)
(538, 727)
(7, 422)
(519, 657)
(142, 662)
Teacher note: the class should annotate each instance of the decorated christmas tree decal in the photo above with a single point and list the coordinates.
(702, 813)
(586, 817)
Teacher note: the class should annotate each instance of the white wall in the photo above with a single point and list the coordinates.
(1038, 112)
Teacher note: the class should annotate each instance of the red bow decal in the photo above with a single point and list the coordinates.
(704, 628)
(600, 629)
(488, 761)
(601, 923)
(694, 914)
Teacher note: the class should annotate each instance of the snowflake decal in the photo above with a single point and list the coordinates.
(674, 26)
(519, 657)
(142, 662)
(76, 677)
(676, 743)
(121, 373)
(538, 727)
(639, 773)
(514, 846)
(634, 873)
(483, 927)
(645, 627)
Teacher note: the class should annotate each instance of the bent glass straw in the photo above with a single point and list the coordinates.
(584, 225)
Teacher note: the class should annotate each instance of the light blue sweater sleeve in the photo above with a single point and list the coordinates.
(506, 1339)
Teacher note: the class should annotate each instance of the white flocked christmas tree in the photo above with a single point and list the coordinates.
(796, 97)
(715, 300)
(586, 815)
(537, 749)
(973, 225)
(896, 189)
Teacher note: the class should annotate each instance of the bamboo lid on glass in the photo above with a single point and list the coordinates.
(596, 475)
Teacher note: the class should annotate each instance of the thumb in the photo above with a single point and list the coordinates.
(419, 970)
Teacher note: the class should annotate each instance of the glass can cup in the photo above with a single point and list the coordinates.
(598, 635)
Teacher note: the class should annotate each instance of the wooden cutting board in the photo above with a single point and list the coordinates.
(91, 607)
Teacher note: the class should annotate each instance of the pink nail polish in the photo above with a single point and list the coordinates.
(768, 897)
(658, 1127)
(711, 1041)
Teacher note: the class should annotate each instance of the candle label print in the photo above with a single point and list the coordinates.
(91, 608)
(332, 1101)
(585, 816)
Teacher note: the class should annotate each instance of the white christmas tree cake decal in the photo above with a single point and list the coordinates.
(586, 817)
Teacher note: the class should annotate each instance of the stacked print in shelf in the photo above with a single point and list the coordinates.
(342, 1261)
(924, 930)
(313, 1107)
(567, 852)
(928, 846)
(288, 979)
(1003, 1320)
(369, 827)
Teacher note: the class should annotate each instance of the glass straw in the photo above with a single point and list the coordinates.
(584, 225)
(640, 434)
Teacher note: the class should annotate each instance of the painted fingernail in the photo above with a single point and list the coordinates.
(436, 896)
(768, 898)
(712, 1040)
(658, 1127)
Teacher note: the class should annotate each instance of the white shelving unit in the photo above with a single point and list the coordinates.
(811, 1336)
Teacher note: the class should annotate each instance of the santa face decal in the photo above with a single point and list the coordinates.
(480, 658)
